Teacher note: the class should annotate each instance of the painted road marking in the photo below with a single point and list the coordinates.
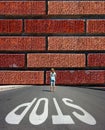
(13, 118)
(86, 117)
(39, 119)
(35, 119)
(60, 118)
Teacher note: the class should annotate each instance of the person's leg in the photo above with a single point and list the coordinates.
(51, 85)
(54, 86)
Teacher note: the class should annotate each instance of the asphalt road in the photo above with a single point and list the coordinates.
(36, 108)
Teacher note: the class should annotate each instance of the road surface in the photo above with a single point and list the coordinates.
(36, 108)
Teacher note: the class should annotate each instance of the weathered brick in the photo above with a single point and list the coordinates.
(56, 60)
(96, 26)
(76, 43)
(78, 77)
(10, 26)
(22, 43)
(76, 7)
(96, 60)
(21, 77)
(12, 60)
(22, 7)
(54, 26)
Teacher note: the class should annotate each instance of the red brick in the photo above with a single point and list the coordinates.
(10, 26)
(76, 7)
(54, 26)
(22, 8)
(96, 60)
(56, 60)
(22, 43)
(12, 60)
(78, 77)
(96, 26)
(76, 43)
(21, 77)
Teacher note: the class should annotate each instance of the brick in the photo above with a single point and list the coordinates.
(21, 77)
(96, 60)
(14, 43)
(56, 60)
(76, 7)
(76, 43)
(10, 26)
(22, 8)
(96, 26)
(54, 26)
(12, 60)
(78, 77)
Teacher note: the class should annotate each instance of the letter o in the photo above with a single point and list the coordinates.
(39, 119)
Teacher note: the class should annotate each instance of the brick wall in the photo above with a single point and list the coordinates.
(36, 35)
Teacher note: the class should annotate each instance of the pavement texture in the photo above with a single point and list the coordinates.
(9, 87)
(38, 108)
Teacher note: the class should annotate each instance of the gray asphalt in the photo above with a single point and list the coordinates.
(92, 101)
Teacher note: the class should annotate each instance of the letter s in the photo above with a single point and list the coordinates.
(86, 118)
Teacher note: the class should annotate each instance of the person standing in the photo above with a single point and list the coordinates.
(52, 80)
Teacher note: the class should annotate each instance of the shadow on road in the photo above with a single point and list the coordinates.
(46, 90)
